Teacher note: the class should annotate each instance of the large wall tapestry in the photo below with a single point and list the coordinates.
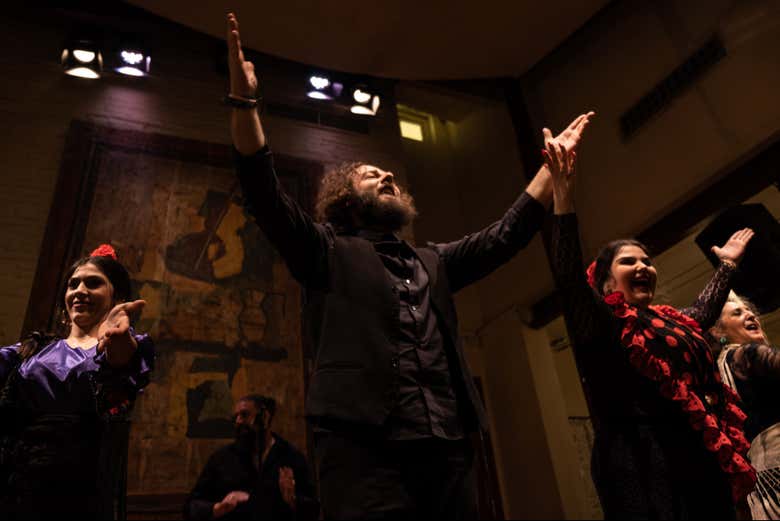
(222, 308)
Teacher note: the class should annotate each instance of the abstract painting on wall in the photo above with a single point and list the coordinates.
(222, 308)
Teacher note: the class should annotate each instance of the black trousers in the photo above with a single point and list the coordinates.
(366, 478)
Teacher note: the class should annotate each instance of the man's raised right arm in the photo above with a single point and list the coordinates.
(301, 242)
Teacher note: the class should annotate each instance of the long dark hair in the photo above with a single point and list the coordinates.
(606, 256)
(114, 272)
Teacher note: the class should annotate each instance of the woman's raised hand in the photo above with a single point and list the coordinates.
(734, 248)
(560, 154)
(114, 333)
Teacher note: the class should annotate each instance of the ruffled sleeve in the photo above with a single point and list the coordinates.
(9, 357)
(117, 387)
(758, 361)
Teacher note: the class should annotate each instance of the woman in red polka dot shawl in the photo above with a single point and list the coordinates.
(669, 441)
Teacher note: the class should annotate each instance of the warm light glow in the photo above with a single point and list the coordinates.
(318, 95)
(318, 82)
(131, 57)
(375, 104)
(83, 72)
(411, 130)
(130, 71)
(361, 109)
(360, 96)
(83, 56)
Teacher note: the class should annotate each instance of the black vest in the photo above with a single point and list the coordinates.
(355, 330)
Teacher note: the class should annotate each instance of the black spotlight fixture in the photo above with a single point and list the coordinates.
(321, 87)
(366, 101)
(82, 58)
(133, 62)
(132, 58)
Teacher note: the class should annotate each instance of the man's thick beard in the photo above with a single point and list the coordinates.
(386, 213)
(248, 439)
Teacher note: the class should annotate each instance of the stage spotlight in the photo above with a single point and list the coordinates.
(318, 82)
(133, 62)
(366, 102)
(82, 58)
(361, 96)
(322, 88)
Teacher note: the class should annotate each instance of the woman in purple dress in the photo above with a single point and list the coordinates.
(64, 398)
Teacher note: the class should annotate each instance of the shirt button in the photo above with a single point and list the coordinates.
(414, 308)
(394, 363)
(407, 281)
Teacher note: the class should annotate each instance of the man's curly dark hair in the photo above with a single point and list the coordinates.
(335, 195)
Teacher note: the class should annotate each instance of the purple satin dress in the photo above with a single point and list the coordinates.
(58, 426)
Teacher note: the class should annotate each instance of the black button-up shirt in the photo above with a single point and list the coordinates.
(426, 403)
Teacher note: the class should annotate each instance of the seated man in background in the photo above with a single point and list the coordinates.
(258, 476)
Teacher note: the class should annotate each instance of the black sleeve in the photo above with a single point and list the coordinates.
(302, 243)
(712, 298)
(9, 358)
(587, 316)
(200, 503)
(479, 254)
(756, 362)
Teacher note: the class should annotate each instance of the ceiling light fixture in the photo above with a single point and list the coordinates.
(366, 102)
(82, 58)
(133, 61)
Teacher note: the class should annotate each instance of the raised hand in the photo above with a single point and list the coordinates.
(571, 135)
(114, 333)
(287, 486)
(560, 158)
(243, 81)
(734, 248)
(229, 503)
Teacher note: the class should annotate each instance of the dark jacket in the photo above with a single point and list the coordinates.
(351, 308)
(230, 468)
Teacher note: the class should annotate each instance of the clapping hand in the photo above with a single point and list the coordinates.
(560, 157)
(287, 486)
(114, 333)
(229, 503)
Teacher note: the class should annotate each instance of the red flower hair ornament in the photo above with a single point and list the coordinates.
(591, 274)
(104, 250)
